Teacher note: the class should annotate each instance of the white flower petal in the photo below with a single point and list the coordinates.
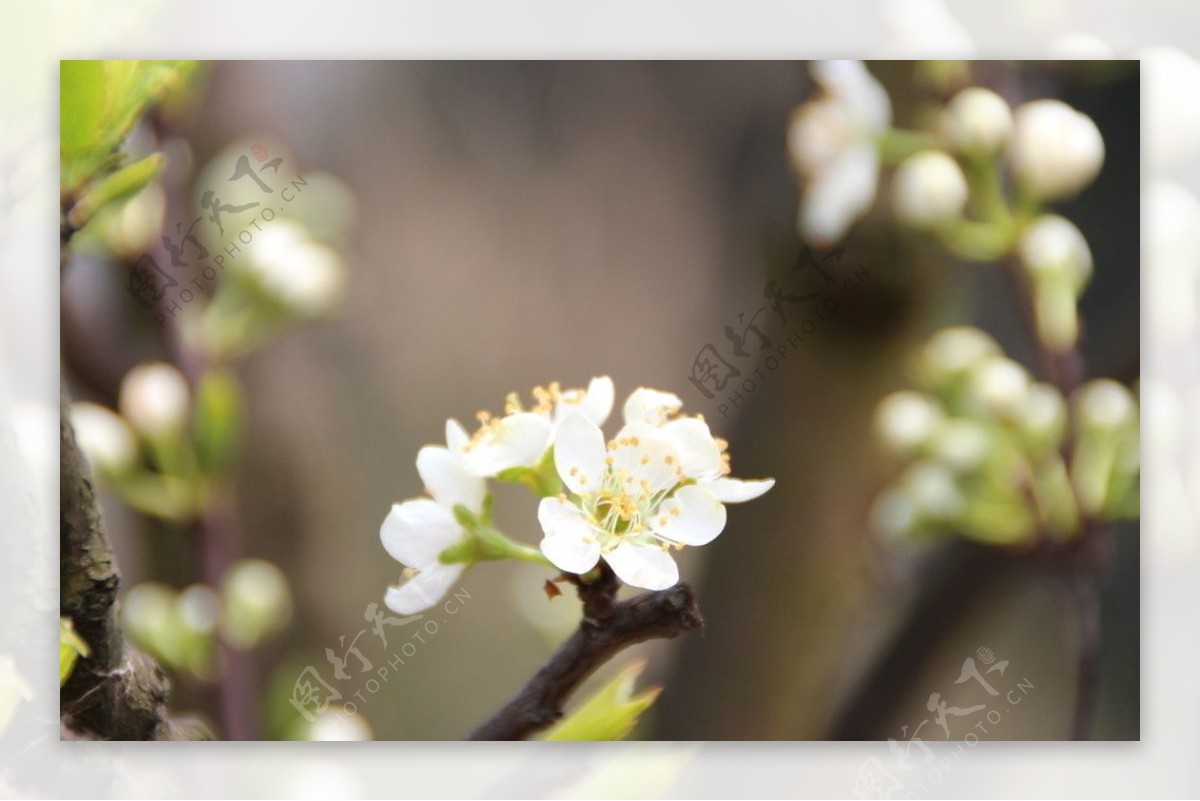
(645, 566)
(852, 84)
(736, 490)
(692, 516)
(579, 454)
(448, 481)
(518, 440)
(595, 403)
(841, 193)
(457, 439)
(699, 454)
(644, 454)
(651, 406)
(416, 531)
(422, 590)
(570, 542)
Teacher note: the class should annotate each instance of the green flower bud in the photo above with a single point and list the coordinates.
(1043, 420)
(961, 445)
(932, 489)
(951, 352)
(257, 602)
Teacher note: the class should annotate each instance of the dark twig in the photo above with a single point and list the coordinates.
(608, 627)
(116, 693)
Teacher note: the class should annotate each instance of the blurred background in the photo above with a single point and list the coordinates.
(509, 224)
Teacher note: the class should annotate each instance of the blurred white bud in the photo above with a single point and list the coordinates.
(932, 488)
(894, 514)
(961, 445)
(929, 189)
(1170, 103)
(905, 420)
(1055, 150)
(978, 120)
(1045, 415)
(146, 610)
(952, 351)
(1172, 216)
(1051, 245)
(199, 608)
(302, 274)
(338, 724)
(1079, 46)
(1105, 404)
(104, 437)
(1000, 386)
(154, 398)
(258, 602)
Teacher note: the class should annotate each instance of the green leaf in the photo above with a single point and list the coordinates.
(99, 102)
(70, 647)
(218, 422)
(115, 187)
(611, 713)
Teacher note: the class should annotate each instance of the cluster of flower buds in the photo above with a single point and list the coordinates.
(994, 455)
(838, 140)
(167, 447)
(181, 627)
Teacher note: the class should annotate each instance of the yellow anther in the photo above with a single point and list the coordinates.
(574, 471)
(645, 459)
(609, 459)
(669, 459)
(675, 512)
(408, 572)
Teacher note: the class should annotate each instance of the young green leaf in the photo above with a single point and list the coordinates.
(609, 714)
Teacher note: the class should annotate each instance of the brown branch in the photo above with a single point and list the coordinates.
(608, 627)
(116, 693)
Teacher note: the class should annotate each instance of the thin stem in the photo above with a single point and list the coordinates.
(607, 628)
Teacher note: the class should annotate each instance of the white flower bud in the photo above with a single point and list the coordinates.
(905, 420)
(952, 351)
(978, 120)
(302, 274)
(199, 607)
(104, 437)
(1055, 150)
(1000, 386)
(929, 189)
(1052, 246)
(961, 445)
(932, 488)
(154, 398)
(1105, 404)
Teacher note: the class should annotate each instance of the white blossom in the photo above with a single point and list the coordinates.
(416, 532)
(661, 483)
(833, 145)
(520, 437)
(1053, 246)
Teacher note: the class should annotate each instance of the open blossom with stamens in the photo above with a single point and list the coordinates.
(520, 438)
(417, 531)
(661, 483)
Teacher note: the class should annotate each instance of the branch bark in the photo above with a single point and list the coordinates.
(116, 693)
(608, 627)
